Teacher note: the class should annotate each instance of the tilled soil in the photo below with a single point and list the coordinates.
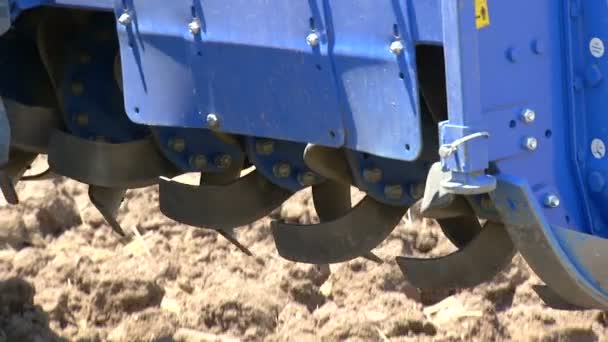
(65, 276)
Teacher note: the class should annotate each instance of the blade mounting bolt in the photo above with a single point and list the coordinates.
(528, 116)
(223, 161)
(281, 170)
(194, 27)
(313, 39)
(307, 178)
(177, 144)
(82, 119)
(397, 47)
(213, 121)
(77, 88)
(198, 161)
(373, 175)
(551, 201)
(531, 144)
(264, 147)
(393, 192)
(125, 19)
(417, 190)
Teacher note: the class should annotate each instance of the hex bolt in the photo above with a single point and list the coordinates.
(84, 58)
(528, 116)
(77, 88)
(194, 27)
(551, 201)
(82, 119)
(393, 192)
(223, 161)
(177, 144)
(397, 47)
(198, 161)
(417, 190)
(307, 178)
(264, 147)
(372, 175)
(213, 121)
(281, 170)
(125, 19)
(313, 39)
(530, 143)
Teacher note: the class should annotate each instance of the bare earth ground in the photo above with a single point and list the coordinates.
(65, 276)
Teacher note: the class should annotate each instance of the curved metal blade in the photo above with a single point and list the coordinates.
(460, 230)
(108, 201)
(31, 127)
(329, 162)
(348, 237)
(553, 300)
(11, 173)
(479, 261)
(219, 207)
(127, 165)
(5, 134)
(44, 175)
(331, 199)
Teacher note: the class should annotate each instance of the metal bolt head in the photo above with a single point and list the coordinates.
(307, 178)
(198, 161)
(531, 144)
(194, 27)
(223, 161)
(213, 121)
(77, 88)
(281, 170)
(125, 19)
(264, 147)
(82, 119)
(393, 192)
(417, 190)
(528, 116)
(397, 47)
(313, 39)
(177, 144)
(372, 175)
(551, 201)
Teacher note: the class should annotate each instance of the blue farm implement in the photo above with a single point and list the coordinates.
(488, 115)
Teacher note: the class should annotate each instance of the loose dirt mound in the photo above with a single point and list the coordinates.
(64, 275)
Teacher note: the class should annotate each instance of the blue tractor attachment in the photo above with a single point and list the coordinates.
(486, 114)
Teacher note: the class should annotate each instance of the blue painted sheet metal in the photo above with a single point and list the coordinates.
(379, 88)
(502, 70)
(251, 66)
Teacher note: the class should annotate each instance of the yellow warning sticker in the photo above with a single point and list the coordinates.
(482, 14)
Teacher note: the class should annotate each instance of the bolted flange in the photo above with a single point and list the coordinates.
(393, 192)
(264, 147)
(372, 175)
(281, 170)
(307, 178)
(223, 161)
(177, 144)
(198, 161)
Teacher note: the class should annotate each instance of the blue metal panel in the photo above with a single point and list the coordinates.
(382, 104)
(494, 74)
(249, 66)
